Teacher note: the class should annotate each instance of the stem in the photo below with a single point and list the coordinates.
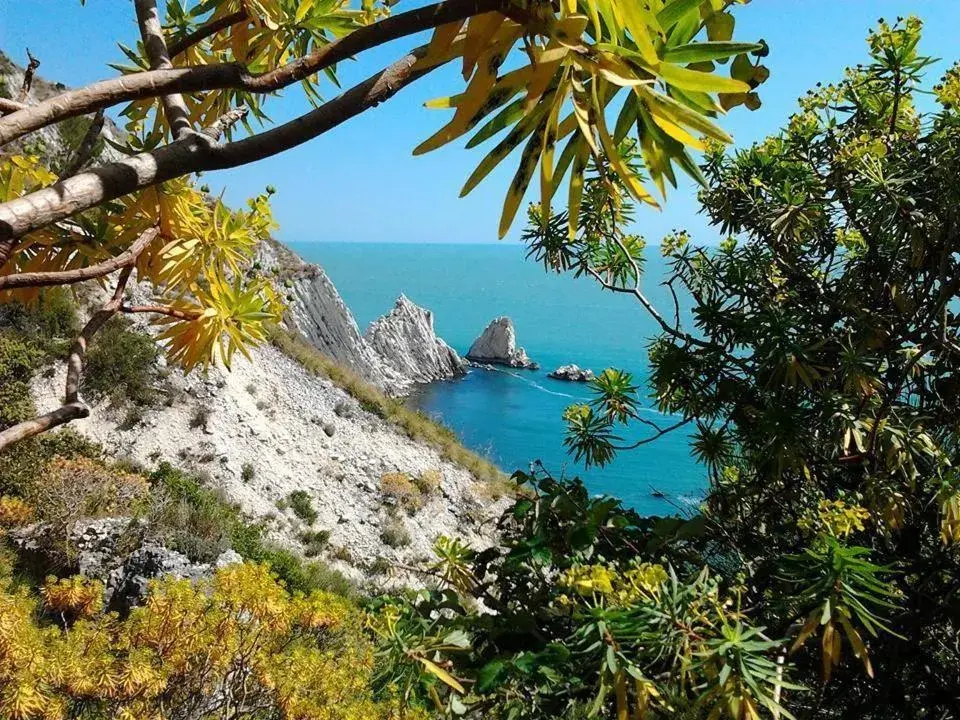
(151, 31)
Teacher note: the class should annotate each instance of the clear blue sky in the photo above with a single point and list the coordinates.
(360, 182)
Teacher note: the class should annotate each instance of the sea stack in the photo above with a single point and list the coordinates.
(497, 345)
(405, 338)
(572, 373)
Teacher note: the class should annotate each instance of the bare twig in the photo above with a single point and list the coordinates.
(84, 150)
(151, 31)
(204, 31)
(225, 122)
(67, 277)
(661, 432)
(28, 74)
(161, 310)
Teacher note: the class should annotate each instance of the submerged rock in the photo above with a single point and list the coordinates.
(497, 345)
(572, 373)
(405, 338)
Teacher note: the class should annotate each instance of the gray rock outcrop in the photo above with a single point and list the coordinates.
(406, 339)
(316, 311)
(497, 345)
(572, 373)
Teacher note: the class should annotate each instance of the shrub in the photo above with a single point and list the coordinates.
(302, 506)
(121, 364)
(49, 324)
(399, 487)
(394, 533)
(428, 482)
(314, 541)
(24, 463)
(17, 360)
(239, 638)
(209, 523)
(247, 472)
(200, 417)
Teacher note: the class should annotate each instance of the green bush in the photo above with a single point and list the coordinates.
(121, 364)
(211, 524)
(302, 506)
(314, 541)
(247, 472)
(17, 360)
(49, 325)
(25, 461)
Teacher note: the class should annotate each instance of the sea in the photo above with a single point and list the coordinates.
(514, 417)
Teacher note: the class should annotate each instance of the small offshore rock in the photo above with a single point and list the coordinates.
(572, 373)
(497, 345)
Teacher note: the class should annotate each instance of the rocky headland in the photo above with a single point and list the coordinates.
(497, 345)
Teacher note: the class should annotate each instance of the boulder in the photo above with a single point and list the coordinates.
(572, 373)
(497, 345)
(406, 340)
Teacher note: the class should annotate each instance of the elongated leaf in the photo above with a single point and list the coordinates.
(513, 139)
(674, 11)
(699, 81)
(707, 51)
(442, 674)
(521, 180)
(503, 119)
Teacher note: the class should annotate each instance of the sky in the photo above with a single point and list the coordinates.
(361, 183)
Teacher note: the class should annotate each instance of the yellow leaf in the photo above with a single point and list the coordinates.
(442, 674)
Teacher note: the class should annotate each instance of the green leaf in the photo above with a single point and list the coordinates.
(707, 51)
(699, 81)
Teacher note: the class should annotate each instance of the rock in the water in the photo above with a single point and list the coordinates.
(405, 338)
(572, 373)
(498, 345)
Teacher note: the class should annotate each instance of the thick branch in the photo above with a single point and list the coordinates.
(225, 122)
(28, 74)
(193, 154)
(151, 31)
(68, 277)
(153, 83)
(84, 151)
(8, 106)
(204, 31)
(42, 423)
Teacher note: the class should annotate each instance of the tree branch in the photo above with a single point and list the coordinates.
(72, 407)
(204, 31)
(138, 86)
(83, 152)
(225, 122)
(28, 74)
(193, 154)
(8, 106)
(68, 277)
(161, 310)
(174, 107)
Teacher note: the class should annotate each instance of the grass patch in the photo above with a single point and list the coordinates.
(414, 424)
(402, 490)
(394, 533)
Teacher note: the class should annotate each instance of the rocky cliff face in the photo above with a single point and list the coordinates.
(397, 351)
(405, 338)
(498, 345)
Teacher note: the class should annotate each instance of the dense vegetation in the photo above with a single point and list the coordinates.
(819, 379)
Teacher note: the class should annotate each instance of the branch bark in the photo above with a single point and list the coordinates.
(161, 310)
(8, 106)
(28, 74)
(151, 31)
(193, 154)
(128, 258)
(152, 83)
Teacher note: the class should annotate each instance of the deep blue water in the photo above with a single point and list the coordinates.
(514, 417)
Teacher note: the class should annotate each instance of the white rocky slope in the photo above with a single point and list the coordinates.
(406, 339)
(298, 432)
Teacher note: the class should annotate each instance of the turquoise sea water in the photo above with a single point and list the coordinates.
(514, 417)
